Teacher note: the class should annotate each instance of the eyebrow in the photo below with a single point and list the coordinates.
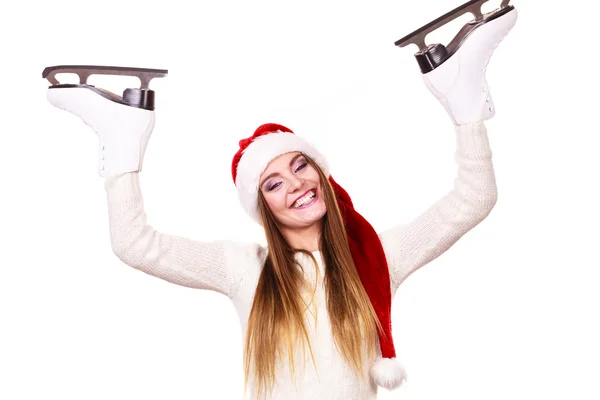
(292, 161)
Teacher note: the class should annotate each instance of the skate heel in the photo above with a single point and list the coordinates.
(431, 56)
(141, 97)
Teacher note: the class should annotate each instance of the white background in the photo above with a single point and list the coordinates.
(511, 311)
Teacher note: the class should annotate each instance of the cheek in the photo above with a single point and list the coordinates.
(312, 177)
(275, 201)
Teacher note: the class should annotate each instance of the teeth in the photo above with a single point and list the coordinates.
(305, 199)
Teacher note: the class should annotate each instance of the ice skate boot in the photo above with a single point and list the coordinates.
(456, 74)
(123, 123)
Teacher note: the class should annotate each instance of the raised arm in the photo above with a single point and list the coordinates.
(457, 78)
(409, 247)
(218, 266)
(124, 126)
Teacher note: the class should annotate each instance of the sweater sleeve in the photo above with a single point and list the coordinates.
(411, 246)
(218, 265)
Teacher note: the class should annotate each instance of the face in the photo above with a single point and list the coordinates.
(292, 190)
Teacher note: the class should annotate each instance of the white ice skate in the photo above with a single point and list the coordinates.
(456, 73)
(123, 123)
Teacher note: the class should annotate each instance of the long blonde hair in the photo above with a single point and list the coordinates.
(276, 320)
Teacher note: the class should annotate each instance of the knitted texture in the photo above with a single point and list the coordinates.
(233, 268)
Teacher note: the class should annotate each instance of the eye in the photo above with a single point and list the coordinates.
(300, 167)
(273, 186)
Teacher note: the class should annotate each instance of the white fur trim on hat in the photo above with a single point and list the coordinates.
(257, 157)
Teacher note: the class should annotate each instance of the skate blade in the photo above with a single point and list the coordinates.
(85, 71)
(474, 7)
(141, 97)
(432, 56)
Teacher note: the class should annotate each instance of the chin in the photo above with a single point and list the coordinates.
(303, 223)
(316, 219)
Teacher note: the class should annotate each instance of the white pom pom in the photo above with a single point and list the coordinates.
(388, 373)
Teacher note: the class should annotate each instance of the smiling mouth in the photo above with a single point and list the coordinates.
(306, 200)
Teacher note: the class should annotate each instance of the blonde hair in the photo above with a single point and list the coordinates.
(276, 320)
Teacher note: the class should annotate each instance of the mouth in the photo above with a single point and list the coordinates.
(306, 200)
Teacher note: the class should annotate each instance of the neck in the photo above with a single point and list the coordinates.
(304, 238)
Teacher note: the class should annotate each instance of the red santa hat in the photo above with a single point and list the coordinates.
(255, 153)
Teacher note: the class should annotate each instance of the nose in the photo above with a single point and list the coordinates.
(294, 184)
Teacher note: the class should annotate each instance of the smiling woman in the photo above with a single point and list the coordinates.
(306, 213)
(315, 302)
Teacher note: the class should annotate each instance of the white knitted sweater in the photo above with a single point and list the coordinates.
(233, 268)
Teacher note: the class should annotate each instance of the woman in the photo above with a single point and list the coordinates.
(315, 302)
